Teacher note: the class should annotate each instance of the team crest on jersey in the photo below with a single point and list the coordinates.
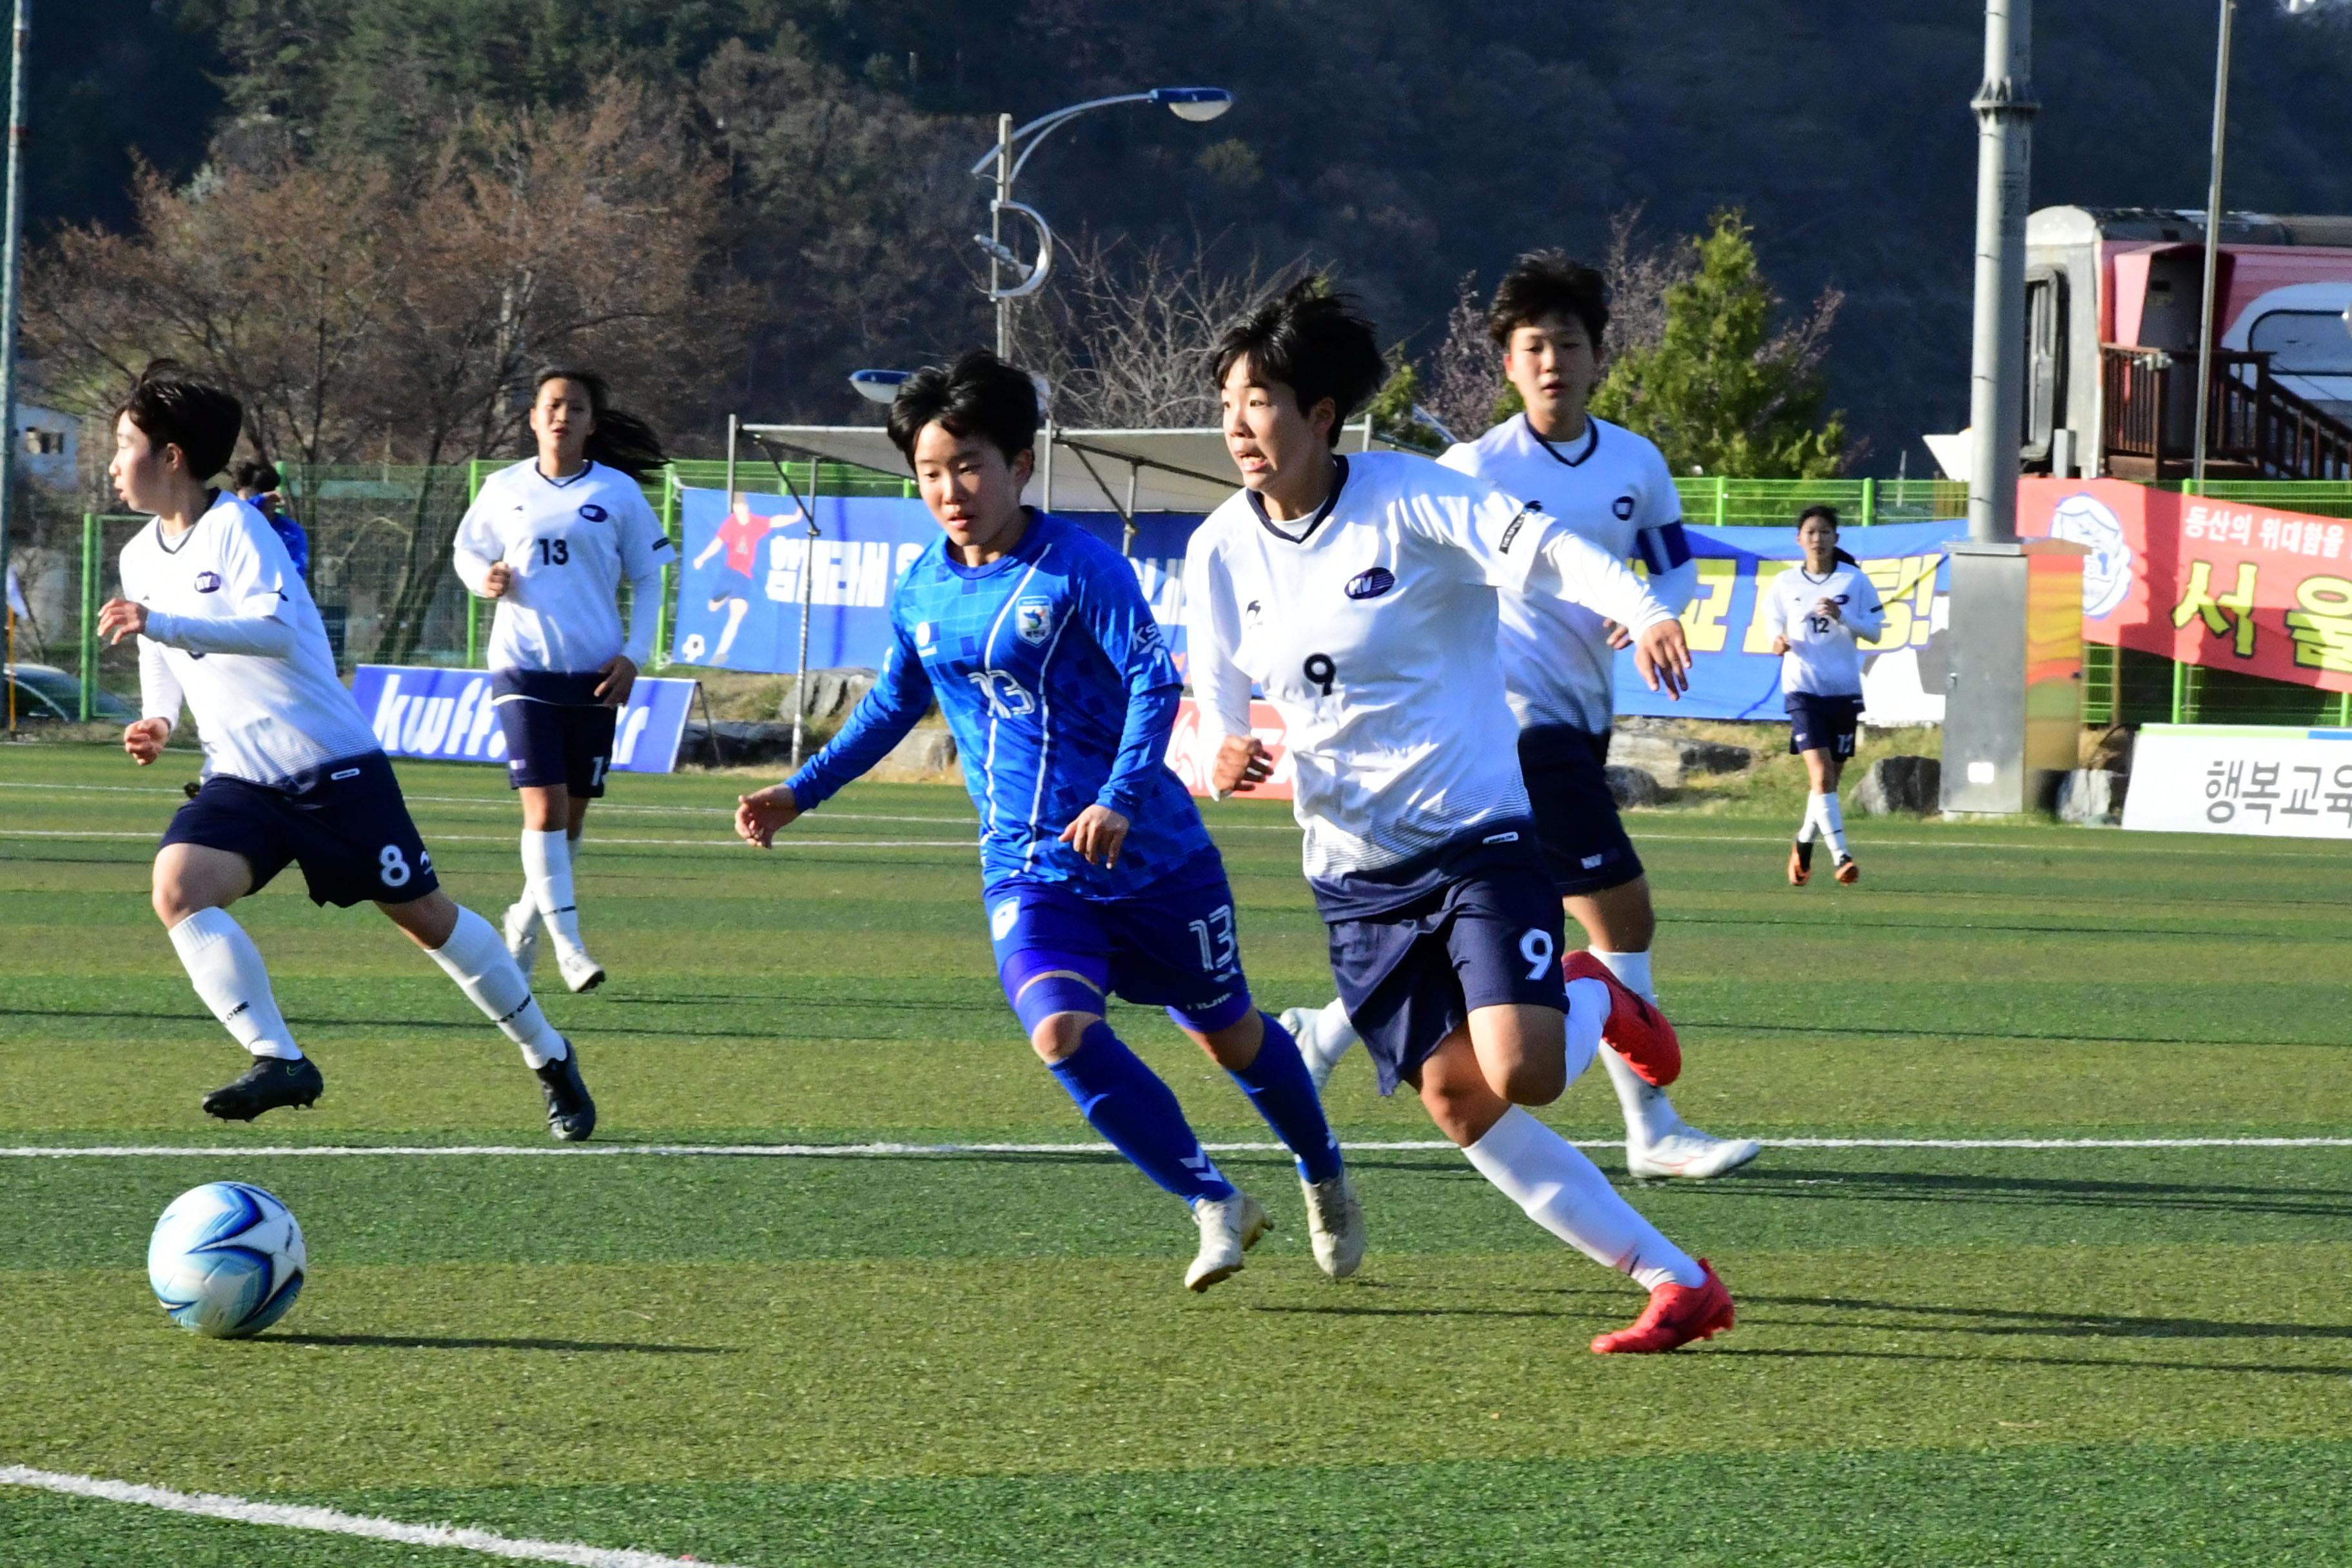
(1623, 507)
(1033, 619)
(1371, 584)
(208, 582)
(593, 512)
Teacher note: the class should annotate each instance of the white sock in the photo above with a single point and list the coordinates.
(1587, 1010)
(1832, 822)
(476, 958)
(1566, 1194)
(1811, 825)
(1649, 1114)
(1333, 1031)
(227, 973)
(547, 882)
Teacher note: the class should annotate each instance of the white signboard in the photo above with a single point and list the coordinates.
(2220, 778)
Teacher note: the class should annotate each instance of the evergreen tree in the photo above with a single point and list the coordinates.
(1722, 392)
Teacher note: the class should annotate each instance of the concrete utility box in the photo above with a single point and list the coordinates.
(2015, 685)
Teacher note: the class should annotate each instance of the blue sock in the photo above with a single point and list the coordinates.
(1138, 1115)
(1277, 1084)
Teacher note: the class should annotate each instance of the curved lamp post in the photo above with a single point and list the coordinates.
(1004, 163)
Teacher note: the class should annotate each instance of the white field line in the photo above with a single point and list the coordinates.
(936, 1151)
(783, 840)
(298, 1516)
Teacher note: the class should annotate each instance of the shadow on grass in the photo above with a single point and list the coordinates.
(1924, 1187)
(2007, 1321)
(1796, 1353)
(433, 1343)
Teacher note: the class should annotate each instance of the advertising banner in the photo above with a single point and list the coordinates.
(1736, 676)
(444, 715)
(739, 582)
(1193, 754)
(2223, 583)
(2261, 781)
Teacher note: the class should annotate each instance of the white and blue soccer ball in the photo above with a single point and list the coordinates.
(227, 1259)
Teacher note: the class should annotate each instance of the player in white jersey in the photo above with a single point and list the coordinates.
(292, 772)
(550, 541)
(1611, 486)
(1818, 611)
(1360, 594)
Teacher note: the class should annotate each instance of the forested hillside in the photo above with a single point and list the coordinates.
(1404, 144)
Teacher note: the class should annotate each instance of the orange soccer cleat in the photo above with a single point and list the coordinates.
(1801, 863)
(1634, 1029)
(1847, 872)
(1676, 1315)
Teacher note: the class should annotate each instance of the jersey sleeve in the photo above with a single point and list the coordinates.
(646, 549)
(1484, 535)
(1659, 539)
(1115, 617)
(477, 547)
(1776, 619)
(253, 568)
(1212, 631)
(1864, 612)
(901, 696)
(159, 689)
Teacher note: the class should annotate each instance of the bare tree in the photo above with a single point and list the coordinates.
(1464, 380)
(1124, 332)
(1638, 273)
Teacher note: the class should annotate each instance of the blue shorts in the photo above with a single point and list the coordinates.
(1411, 976)
(1173, 944)
(343, 822)
(1584, 841)
(1818, 723)
(729, 583)
(557, 732)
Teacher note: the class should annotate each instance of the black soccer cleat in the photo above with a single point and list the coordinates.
(1800, 862)
(570, 1114)
(268, 1083)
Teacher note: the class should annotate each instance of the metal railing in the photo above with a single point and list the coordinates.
(2149, 419)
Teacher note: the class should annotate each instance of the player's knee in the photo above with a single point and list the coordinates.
(1057, 1038)
(1537, 1079)
(170, 902)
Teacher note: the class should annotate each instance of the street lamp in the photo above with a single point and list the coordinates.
(2213, 227)
(878, 386)
(1004, 163)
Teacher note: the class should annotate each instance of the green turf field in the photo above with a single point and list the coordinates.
(1980, 1356)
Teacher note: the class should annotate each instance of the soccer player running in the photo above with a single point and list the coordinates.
(1818, 611)
(550, 541)
(1361, 593)
(1612, 487)
(1099, 876)
(292, 772)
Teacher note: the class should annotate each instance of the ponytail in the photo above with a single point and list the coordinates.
(621, 439)
(1847, 560)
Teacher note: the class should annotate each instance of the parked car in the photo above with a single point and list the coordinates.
(47, 695)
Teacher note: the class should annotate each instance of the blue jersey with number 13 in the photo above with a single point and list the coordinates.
(1060, 693)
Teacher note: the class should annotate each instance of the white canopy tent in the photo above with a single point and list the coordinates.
(1123, 471)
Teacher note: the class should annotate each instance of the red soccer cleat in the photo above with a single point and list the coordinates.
(1676, 1315)
(1634, 1029)
(1848, 873)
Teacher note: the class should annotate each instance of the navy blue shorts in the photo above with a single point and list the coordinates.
(344, 822)
(729, 583)
(1411, 976)
(1584, 842)
(557, 732)
(1172, 945)
(1818, 723)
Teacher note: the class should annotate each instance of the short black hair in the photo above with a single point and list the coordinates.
(1821, 509)
(255, 474)
(979, 394)
(1545, 283)
(175, 409)
(1313, 340)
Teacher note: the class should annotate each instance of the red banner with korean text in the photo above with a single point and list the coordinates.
(2224, 584)
(1193, 751)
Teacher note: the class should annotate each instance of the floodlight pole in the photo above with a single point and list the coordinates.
(11, 276)
(2004, 110)
(996, 236)
(2212, 246)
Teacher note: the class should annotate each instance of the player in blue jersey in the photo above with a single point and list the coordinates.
(1098, 876)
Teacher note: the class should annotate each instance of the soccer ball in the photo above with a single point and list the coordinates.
(225, 1260)
(694, 649)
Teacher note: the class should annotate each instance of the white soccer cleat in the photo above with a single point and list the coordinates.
(580, 972)
(520, 928)
(1689, 1154)
(1319, 1047)
(1335, 1223)
(1228, 1228)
